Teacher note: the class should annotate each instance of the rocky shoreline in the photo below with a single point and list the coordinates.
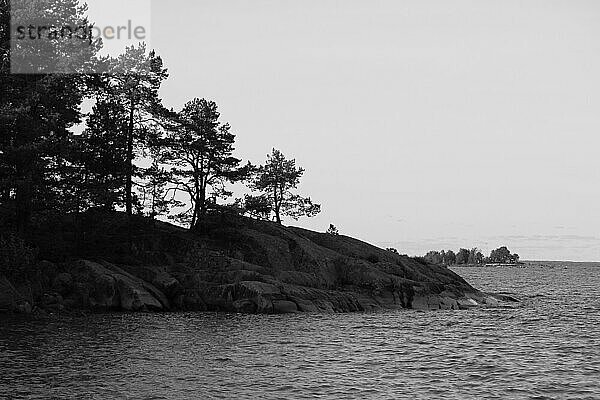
(242, 266)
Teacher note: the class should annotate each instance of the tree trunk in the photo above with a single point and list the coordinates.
(277, 204)
(129, 177)
(200, 206)
(196, 219)
(129, 166)
(196, 202)
(193, 223)
(24, 199)
(202, 201)
(153, 207)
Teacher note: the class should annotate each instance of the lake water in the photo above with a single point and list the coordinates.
(547, 347)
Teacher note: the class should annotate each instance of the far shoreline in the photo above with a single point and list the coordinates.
(532, 263)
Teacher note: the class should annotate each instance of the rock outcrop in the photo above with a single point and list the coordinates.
(243, 265)
(11, 298)
(104, 286)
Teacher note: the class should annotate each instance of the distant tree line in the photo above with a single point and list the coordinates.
(471, 257)
(133, 153)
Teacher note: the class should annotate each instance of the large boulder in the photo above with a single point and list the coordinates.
(106, 286)
(63, 283)
(157, 275)
(10, 298)
(94, 286)
(7, 295)
(134, 295)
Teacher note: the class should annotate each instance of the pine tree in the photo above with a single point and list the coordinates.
(103, 151)
(134, 81)
(277, 179)
(201, 152)
(37, 110)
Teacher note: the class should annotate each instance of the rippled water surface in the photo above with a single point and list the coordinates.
(547, 347)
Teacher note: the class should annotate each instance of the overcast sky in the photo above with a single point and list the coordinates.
(421, 124)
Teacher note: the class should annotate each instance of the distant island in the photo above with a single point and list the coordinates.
(472, 257)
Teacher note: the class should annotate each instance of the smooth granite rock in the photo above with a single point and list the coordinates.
(105, 286)
(244, 265)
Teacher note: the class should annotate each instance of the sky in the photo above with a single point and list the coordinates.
(421, 124)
